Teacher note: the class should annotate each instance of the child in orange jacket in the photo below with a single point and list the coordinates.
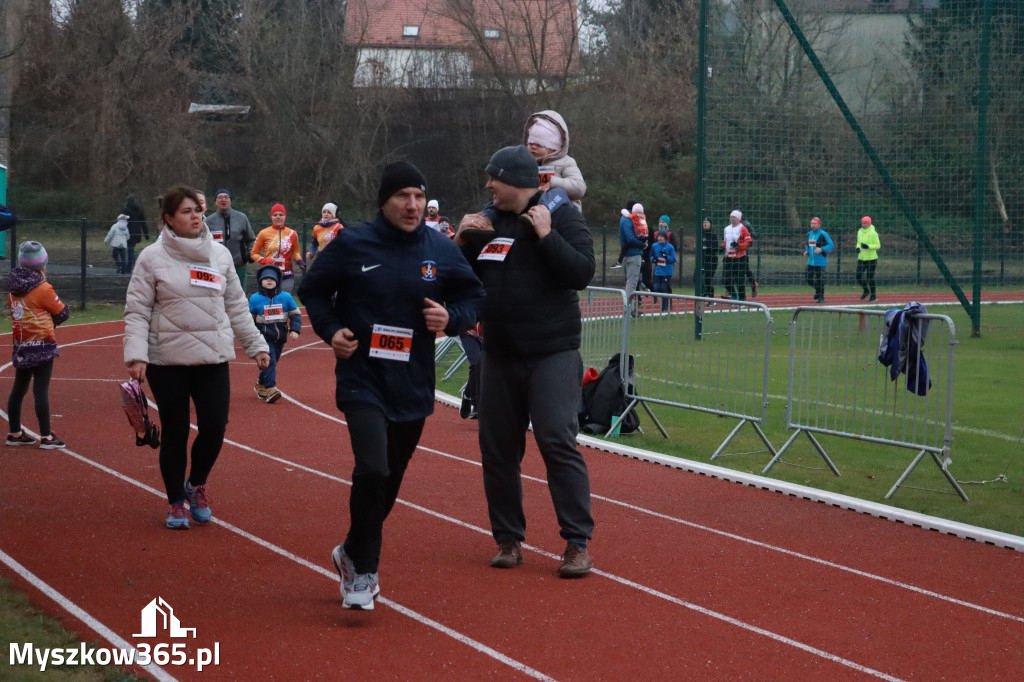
(35, 310)
(279, 245)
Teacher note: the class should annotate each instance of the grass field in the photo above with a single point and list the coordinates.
(988, 430)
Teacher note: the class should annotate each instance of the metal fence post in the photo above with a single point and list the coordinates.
(83, 266)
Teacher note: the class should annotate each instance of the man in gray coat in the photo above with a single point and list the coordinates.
(232, 229)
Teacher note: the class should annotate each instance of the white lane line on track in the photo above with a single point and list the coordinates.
(409, 613)
(782, 639)
(81, 614)
(420, 618)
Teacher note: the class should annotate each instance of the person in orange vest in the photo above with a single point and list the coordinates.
(325, 230)
(279, 245)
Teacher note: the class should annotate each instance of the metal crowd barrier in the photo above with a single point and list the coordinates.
(838, 387)
(704, 354)
(603, 332)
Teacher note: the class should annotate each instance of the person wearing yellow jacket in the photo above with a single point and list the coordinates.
(868, 245)
(279, 245)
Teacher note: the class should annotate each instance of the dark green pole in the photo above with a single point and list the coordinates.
(982, 154)
(702, 76)
(83, 265)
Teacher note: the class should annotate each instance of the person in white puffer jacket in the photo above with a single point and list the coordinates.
(184, 309)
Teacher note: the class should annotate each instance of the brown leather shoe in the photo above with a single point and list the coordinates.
(476, 235)
(510, 554)
(576, 562)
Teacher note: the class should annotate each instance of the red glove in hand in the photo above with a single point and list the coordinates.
(265, 261)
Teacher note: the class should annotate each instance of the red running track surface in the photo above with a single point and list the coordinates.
(695, 578)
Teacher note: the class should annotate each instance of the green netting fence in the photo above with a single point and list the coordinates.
(905, 111)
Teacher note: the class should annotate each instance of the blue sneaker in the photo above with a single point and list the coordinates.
(177, 517)
(198, 503)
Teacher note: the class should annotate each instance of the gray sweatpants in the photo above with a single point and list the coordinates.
(545, 390)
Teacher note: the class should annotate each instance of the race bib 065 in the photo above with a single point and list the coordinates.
(391, 343)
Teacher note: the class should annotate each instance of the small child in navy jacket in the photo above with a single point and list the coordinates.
(278, 318)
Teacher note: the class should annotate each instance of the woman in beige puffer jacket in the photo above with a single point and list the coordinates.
(184, 309)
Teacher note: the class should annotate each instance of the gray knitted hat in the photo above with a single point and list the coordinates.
(514, 166)
(32, 255)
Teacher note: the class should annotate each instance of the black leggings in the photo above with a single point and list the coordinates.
(40, 391)
(382, 450)
(816, 279)
(208, 387)
(866, 275)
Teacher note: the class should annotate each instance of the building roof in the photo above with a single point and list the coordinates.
(521, 35)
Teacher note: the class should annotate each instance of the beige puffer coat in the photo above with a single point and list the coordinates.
(185, 305)
(567, 173)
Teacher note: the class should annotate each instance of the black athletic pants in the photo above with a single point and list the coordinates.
(382, 450)
(40, 378)
(208, 387)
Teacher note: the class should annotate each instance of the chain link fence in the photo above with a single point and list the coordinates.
(905, 111)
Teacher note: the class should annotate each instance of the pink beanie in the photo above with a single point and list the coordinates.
(545, 133)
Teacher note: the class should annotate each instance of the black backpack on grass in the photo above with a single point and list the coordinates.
(604, 399)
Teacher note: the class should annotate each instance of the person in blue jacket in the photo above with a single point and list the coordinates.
(632, 255)
(663, 256)
(278, 318)
(818, 246)
(379, 294)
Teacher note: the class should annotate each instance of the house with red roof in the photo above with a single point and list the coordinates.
(520, 45)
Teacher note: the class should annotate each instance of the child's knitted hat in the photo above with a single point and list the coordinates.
(638, 209)
(32, 256)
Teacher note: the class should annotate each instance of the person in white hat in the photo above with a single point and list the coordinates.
(736, 240)
(433, 217)
(325, 230)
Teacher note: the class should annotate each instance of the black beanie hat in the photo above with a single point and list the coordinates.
(397, 176)
(514, 166)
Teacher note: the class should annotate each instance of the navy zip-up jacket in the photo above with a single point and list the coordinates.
(374, 273)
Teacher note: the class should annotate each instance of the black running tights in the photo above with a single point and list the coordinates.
(208, 387)
(40, 391)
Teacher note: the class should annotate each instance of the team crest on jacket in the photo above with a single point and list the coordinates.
(429, 270)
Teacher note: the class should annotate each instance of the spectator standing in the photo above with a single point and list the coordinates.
(279, 245)
(231, 228)
(711, 247)
(817, 248)
(378, 295)
(35, 311)
(663, 256)
(736, 240)
(117, 239)
(184, 310)
(631, 252)
(868, 245)
(137, 227)
(531, 367)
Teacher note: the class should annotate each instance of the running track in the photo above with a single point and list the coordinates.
(696, 578)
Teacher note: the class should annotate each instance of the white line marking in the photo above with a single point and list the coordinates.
(99, 628)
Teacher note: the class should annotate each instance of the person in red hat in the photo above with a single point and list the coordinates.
(279, 245)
